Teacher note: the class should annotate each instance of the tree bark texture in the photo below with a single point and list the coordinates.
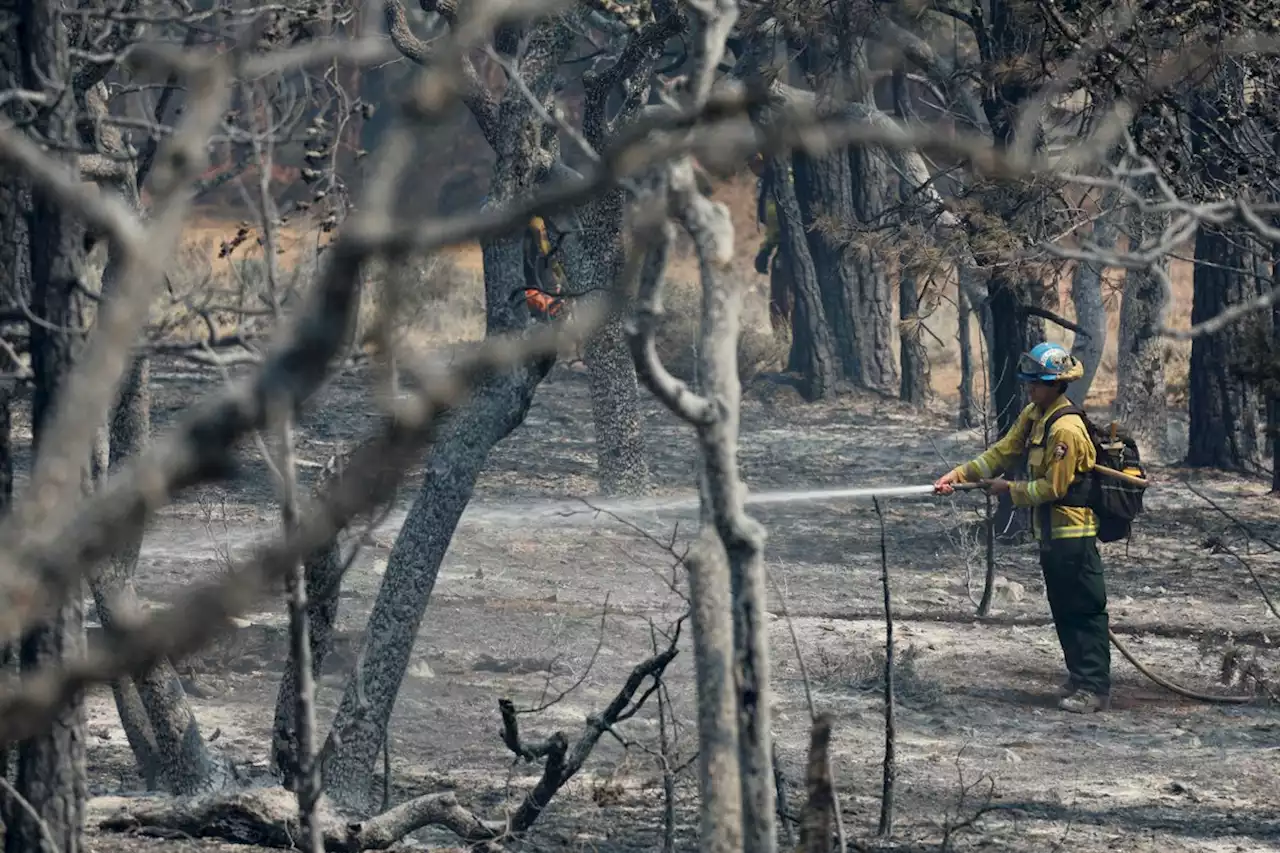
(818, 820)
(15, 287)
(872, 303)
(719, 766)
(1086, 297)
(621, 463)
(740, 537)
(1007, 343)
(813, 346)
(914, 387)
(1227, 410)
(852, 285)
(155, 714)
(1141, 397)
(51, 769)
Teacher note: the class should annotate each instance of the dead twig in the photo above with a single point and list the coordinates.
(887, 789)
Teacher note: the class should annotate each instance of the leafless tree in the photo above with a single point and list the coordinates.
(458, 405)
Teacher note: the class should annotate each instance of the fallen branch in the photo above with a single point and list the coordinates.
(269, 817)
(562, 762)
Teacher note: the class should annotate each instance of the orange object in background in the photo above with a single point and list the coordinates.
(543, 303)
(545, 300)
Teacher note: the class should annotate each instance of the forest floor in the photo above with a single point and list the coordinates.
(539, 593)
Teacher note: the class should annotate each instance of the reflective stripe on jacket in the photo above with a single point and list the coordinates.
(1052, 466)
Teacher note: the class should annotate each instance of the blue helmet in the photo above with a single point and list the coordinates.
(1049, 363)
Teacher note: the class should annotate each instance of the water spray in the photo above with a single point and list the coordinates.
(866, 493)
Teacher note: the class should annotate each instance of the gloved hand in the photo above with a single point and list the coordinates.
(944, 485)
(762, 259)
(997, 486)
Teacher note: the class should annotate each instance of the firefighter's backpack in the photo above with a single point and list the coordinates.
(1114, 501)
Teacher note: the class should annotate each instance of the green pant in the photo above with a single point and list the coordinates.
(1077, 595)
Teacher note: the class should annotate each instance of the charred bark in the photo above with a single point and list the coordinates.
(851, 282)
(1007, 343)
(872, 303)
(463, 440)
(621, 461)
(813, 348)
(157, 718)
(914, 387)
(51, 770)
(15, 288)
(622, 465)
(1227, 409)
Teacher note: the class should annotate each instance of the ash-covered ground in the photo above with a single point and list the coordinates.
(519, 611)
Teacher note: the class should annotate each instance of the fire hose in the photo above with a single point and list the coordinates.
(920, 491)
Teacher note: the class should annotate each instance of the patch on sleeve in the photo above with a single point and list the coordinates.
(1060, 451)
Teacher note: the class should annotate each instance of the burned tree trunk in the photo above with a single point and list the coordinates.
(621, 463)
(1227, 409)
(1141, 398)
(51, 770)
(813, 348)
(872, 304)
(833, 199)
(914, 387)
(154, 712)
(15, 288)
(824, 193)
(1008, 342)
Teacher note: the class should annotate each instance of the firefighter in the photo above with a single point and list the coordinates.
(1065, 527)
(543, 273)
(771, 260)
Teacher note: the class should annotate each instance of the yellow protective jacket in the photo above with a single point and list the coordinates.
(1053, 465)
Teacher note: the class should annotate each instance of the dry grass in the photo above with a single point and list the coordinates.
(446, 299)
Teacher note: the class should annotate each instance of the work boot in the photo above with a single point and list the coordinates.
(1068, 687)
(1085, 702)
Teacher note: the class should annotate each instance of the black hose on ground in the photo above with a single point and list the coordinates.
(1170, 686)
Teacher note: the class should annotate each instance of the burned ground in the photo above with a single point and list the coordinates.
(540, 592)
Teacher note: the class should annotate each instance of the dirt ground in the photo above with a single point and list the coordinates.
(519, 611)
